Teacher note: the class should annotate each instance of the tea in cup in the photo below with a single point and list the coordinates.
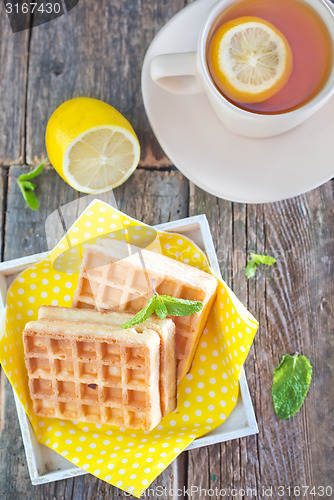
(265, 65)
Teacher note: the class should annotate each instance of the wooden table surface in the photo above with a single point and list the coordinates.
(97, 50)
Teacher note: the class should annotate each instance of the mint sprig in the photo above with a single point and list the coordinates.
(163, 305)
(27, 187)
(292, 379)
(255, 261)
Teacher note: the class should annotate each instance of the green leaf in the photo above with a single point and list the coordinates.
(142, 315)
(181, 307)
(160, 308)
(291, 383)
(263, 259)
(255, 260)
(27, 188)
(251, 268)
(27, 185)
(31, 199)
(34, 173)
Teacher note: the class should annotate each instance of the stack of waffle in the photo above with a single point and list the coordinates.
(82, 366)
(116, 276)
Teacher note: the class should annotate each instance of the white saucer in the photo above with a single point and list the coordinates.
(226, 165)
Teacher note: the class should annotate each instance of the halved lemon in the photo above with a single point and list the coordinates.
(91, 145)
(251, 59)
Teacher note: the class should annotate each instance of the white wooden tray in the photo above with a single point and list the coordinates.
(44, 464)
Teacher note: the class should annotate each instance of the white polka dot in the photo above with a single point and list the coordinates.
(214, 367)
(186, 404)
(71, 431)
(200, 385)
(215, 353)
(78, 449)
(201, 371)
(111, 466)
(199, 399)
(147, 470)
(242, 349)
(107, 478)
(144, 482)
(97, 472)
(135, 466)
(165, 445)
(75, 460)
(185, 418)
(188, 390)
(121, 471)
(92, 445)
(198, 413)
(202, 358)
(189, 376)
(133, 476)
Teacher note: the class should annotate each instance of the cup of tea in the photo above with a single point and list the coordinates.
(266, 66)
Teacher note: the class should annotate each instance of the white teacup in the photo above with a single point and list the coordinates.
(188, 73)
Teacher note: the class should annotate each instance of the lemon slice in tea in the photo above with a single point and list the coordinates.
(251, 59)
(91, 145)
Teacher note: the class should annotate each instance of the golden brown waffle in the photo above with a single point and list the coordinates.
(116, 276)
(165, 329)
(93, 373)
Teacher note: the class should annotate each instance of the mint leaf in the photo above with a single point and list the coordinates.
(160, 308)
(291, 383)
(255, 260)
(251, 269)
(27, 185)
(263, 259)
(163, 305)
(142, 315)
(34, 173)
(29, 197)
(27, 188)
(181, 307)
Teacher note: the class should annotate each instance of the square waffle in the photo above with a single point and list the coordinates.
(165, 329)
(93, 373)
(117, 276)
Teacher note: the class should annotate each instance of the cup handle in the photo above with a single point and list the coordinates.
(177, 73)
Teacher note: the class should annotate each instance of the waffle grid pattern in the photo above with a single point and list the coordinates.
(112, 285)
(89, 381)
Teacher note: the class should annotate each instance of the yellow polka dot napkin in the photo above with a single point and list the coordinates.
(129, 459)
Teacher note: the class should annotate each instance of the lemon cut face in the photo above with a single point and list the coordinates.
(91, 145)
(101, 159)
(251, 59)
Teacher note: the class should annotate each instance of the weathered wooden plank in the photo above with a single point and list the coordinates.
(295, 307)
(152, 196)
(292, 302)
(96, 50)
(218, 467)
(3, 185)
(13, 63)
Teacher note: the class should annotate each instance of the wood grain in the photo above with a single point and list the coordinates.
(291, 302)
(97, 50)
(151, 196)
(13, 63)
